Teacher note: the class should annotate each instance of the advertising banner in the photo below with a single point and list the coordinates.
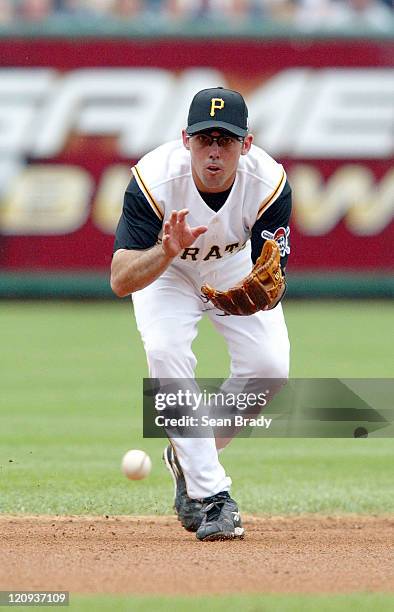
(76, 115)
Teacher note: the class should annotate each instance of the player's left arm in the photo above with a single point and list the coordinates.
(274, 225)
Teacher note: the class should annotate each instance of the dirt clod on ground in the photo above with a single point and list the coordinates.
(154, 555)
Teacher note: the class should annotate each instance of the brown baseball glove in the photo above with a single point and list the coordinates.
(264, 286)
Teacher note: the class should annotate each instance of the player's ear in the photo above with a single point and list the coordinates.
(247, 143)
(185, 139)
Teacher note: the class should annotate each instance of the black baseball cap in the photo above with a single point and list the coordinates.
(218, 108)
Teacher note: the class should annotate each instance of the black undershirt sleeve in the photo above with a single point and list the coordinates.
(274, 224)
(138, 226)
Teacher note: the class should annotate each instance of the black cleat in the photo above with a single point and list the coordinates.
(221, 519)
(188, 510)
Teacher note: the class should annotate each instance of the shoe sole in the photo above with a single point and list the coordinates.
(238, 534)
(169, 468)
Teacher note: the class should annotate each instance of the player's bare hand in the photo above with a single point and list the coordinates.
(177, 233)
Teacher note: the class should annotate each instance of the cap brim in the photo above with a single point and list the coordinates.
(205, 125)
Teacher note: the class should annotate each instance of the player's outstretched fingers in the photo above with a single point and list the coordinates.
(182, 214)
(167, 246)
(200, 229)
(173, 218)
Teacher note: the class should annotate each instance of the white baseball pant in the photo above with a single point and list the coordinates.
(167, 313)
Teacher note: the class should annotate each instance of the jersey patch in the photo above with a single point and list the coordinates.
(281, 236)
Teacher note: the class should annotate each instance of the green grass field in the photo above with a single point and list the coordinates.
(70, 406)
(253, 603)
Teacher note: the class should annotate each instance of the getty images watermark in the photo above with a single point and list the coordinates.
(198, 402)
(325, 407)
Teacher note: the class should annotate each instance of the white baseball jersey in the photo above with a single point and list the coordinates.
(165, 178)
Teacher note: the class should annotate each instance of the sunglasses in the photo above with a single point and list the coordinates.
(226, 142)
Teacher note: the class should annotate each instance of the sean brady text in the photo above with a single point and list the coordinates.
(206, 421)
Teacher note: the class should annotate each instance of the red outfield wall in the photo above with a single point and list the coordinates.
(75, 115)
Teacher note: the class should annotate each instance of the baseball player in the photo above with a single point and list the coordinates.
(199, 213)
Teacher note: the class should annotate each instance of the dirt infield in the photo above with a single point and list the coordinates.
(155, 555)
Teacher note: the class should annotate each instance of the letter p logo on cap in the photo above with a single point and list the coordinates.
(216, 104)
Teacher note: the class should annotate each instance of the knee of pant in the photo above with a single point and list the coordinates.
(280, 369)
(261, 365)
(274, 369)
(272, 376)
(167, 351)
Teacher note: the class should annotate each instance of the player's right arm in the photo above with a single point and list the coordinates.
(138, 260)
(134, 270)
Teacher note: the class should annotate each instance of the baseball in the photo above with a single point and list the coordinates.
(136, 464)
